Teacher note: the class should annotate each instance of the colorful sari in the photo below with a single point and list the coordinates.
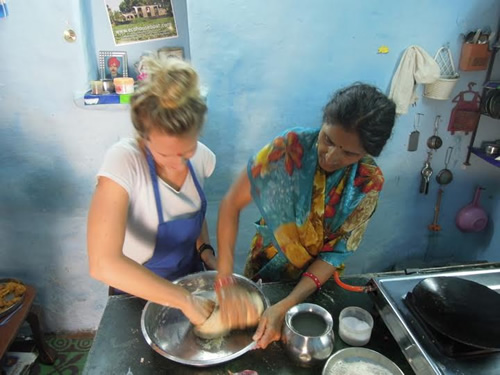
(306, 212)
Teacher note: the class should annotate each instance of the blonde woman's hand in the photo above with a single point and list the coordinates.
(198, 309)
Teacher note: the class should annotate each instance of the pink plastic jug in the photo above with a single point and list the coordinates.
(472, 218)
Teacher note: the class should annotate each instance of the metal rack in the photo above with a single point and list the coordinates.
(475, 150)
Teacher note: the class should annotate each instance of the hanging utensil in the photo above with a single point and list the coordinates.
(435, 227)
(434, 142)
(415, 134)
(472, 217)
(445, 176)
(426, 173)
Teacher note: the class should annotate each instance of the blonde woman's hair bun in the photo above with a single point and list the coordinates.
(168, 98)
(172, 80)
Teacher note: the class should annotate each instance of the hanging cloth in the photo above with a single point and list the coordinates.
(416, 66)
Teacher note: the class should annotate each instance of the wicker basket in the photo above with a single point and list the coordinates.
(442, 88)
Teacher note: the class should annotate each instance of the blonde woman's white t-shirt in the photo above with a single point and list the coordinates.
(126, 165)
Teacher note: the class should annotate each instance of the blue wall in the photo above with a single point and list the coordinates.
(273, 65)
(267, 66)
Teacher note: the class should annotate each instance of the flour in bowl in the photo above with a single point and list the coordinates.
(357, 368)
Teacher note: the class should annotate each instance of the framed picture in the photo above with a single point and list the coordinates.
(166, 52)
(113, 64)
(139, 21)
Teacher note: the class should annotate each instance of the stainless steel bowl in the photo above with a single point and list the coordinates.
(340, 362)
(170, 333)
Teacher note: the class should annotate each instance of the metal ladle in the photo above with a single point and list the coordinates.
(444, 177)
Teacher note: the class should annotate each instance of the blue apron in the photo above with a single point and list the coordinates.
(175, 252)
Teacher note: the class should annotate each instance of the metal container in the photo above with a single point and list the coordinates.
(492, 149)
(171, 334)
(307, 350)
(108, 86)
(359, 361)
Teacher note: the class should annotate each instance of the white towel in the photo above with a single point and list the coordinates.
(416, 66)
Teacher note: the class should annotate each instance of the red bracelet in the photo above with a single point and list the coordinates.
(224, 281)
(313, 278)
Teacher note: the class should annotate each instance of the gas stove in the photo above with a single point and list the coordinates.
(427, 351)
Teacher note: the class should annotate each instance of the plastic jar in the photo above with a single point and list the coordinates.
(124, 85)
(355, 326)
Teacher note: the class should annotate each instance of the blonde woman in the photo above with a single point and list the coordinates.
(146, 224)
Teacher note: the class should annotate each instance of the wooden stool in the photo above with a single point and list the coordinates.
(31, 313)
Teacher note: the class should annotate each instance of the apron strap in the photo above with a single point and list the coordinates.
(198, 188)
(154, 179)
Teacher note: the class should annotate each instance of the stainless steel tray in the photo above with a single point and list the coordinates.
(170, 333)
(338, 363)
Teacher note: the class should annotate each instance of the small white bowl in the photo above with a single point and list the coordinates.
(355, 326)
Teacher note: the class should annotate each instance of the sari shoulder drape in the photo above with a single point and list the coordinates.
(306, 213)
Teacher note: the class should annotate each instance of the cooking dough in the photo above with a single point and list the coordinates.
(213, 327)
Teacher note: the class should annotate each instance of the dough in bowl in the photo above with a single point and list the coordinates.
(213, 327)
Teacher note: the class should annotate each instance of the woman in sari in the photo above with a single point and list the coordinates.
(316, 191)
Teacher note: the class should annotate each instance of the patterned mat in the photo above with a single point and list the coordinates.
(70, 358)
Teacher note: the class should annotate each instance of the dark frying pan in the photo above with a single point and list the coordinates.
(463, 310)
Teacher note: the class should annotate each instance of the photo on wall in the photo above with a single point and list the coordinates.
(141, 21)
(113, 64)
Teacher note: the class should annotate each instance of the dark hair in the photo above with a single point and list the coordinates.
(364, 109)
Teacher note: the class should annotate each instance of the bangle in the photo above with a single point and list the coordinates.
(205, 246)
(313, 278)
(224, 281)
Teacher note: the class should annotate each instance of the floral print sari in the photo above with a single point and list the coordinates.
(306, 212)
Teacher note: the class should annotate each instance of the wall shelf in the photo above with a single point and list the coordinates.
(487, 85)
(80, 103)
(490, 159)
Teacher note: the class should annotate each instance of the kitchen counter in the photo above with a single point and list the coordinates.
(120, 348)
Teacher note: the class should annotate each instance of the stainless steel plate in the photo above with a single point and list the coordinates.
(170, 333)
(340, 362)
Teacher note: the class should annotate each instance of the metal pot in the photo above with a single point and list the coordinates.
(308, 335)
